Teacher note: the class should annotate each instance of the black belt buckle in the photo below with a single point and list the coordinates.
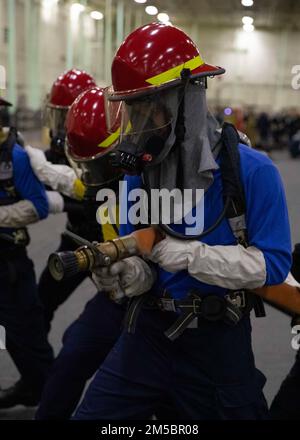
(213, 308)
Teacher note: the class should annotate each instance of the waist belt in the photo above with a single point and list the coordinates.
(16, 239)
(229, 309)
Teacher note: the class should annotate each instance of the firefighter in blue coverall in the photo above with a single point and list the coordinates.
(81, 218)
(89, 338)
(23, 201)
(188, 333)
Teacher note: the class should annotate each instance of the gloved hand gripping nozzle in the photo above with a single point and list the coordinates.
(90, 255)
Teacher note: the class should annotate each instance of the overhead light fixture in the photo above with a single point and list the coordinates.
(247, 20)
(247, 2)
(49, 9)
(77, 8)
(49, 3)
(163, 17)
(151, 10)
(248, 27)
(96, 15)
(140, 1)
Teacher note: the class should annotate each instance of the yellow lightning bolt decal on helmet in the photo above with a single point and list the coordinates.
(174, 73)
(111, 139)
(114, 137)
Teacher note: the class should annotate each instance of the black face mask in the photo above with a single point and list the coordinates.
(132, 158)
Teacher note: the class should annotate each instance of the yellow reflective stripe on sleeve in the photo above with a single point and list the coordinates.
(79, 189)
(110, 139)
(174, 73)
(103, 217)
(108, 232)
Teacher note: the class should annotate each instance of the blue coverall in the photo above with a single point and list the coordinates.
(208, 372)
(20, 310)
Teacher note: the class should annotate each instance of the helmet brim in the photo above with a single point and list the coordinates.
(95, 171)
(205, 70)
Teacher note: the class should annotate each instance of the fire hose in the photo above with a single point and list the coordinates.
(89, 255)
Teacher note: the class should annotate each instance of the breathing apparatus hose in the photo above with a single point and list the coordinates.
(175, 234)
(169, 231)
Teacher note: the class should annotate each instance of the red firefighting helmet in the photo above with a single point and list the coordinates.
(64, 91)
(68, 86)
(153, 57)
(88, 143)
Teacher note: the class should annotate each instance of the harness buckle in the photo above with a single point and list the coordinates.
(237, 298)
(168, 304)
(197, 305)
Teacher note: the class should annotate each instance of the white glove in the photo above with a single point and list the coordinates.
(290, 280)
(171, 254)
(60, 178)
(37, 159)
(18, 214)
(230, 267)
(55, 201)
(129, 277)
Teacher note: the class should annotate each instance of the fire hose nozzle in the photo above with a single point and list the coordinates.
(64, 265)
(67, 264)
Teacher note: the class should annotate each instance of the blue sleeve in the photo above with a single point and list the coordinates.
(27, 184)
(268, 221)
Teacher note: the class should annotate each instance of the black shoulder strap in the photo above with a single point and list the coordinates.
(233, 189)
(6, 163)
(232, 185)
